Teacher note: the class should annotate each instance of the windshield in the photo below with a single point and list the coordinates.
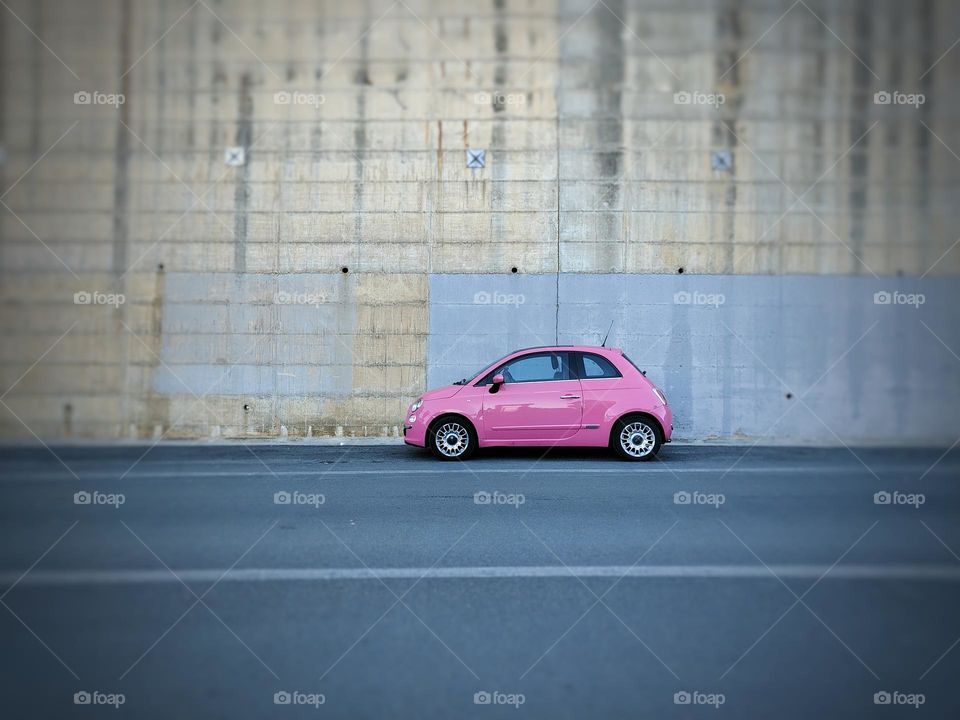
(471, 378)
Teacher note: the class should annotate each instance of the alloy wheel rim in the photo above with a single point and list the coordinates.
(452, 439)
(637, 439)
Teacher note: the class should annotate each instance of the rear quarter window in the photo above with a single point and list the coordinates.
(596, 367)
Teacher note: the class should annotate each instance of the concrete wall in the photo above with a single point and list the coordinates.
(313, 288)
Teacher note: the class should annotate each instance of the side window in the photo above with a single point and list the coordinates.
(595, 366)
(537, 367)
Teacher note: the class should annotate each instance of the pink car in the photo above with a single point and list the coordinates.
(564, 396)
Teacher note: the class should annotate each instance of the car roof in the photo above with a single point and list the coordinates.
(581, 348)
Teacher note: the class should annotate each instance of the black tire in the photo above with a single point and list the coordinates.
(636, 446)
(452, 437)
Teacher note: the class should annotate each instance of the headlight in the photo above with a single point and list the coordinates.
(416, 405)
(663, 398)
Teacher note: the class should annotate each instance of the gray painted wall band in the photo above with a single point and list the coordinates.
(727, 350)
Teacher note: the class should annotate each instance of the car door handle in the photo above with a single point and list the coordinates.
(569, 397)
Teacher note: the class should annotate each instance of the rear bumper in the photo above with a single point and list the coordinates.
(665, 415)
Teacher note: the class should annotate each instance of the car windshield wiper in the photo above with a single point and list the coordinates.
(461, 382)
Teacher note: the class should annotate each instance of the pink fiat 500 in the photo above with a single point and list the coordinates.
(565, 396)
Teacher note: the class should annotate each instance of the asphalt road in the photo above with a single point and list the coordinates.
(585, 587)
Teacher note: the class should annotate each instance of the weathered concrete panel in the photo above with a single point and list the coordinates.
(240, 324)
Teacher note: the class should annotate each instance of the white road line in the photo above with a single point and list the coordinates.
(947, 573)
(625, 471)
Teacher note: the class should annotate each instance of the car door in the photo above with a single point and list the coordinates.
(539, 400)
(599, 383)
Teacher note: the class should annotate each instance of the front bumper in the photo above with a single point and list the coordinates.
(415, 433)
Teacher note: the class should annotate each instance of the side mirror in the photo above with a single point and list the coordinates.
(496, 383)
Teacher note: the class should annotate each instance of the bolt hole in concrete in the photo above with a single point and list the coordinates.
(160, 267)
(513, 269)
(344, 269)
(680, 271)
(789, 396)
(246, 408)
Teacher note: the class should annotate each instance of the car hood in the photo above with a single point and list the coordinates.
(442, 393)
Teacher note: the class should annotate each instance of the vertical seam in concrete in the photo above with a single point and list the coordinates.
(556, 326)
(927, 251)
(728, 32)
(3, 116)
(241, 193)
(360, 140)
(276, 318)
(121, 158)
(859, 160)
(36, 72)
(191, 71)
(121, 196)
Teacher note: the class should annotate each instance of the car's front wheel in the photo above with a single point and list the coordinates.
(452, 438)
(636, 438)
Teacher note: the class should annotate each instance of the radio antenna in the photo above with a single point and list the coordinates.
(604, 343)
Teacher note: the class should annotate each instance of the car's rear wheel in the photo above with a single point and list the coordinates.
(636, 438)
(452, 438)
